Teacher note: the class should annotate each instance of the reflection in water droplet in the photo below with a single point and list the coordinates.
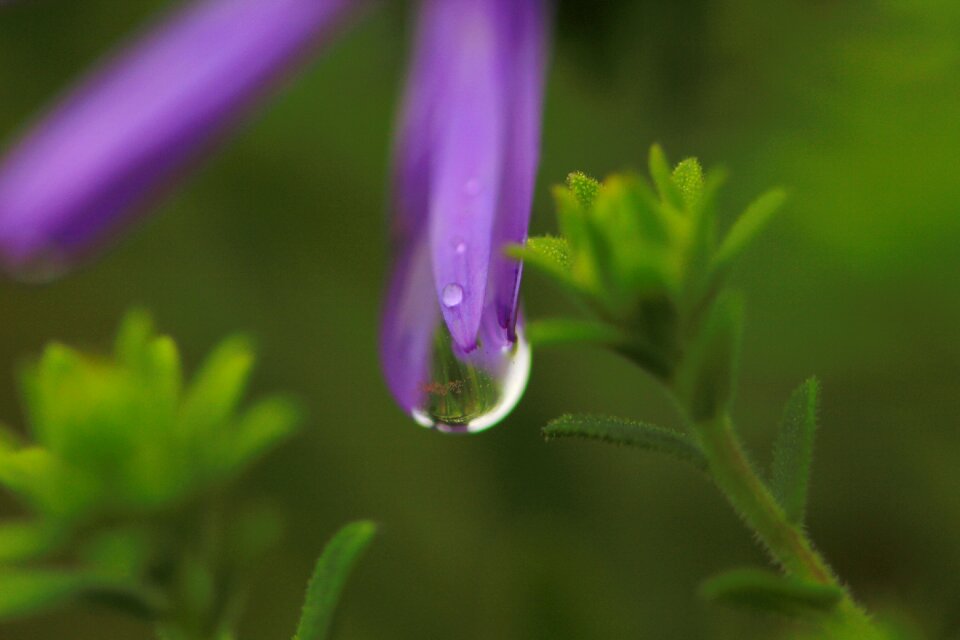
(472, 187)
(460, 248)
(467, 393)
(452, 295)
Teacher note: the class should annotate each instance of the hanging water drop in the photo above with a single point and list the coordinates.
(467, 393)
(452, 295)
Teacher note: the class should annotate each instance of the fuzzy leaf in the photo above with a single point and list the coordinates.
(765, 591)
(331, 573)
(637, 259)
(588, 251)
(557, 331)
(622, 431)
(710, 371)
(663, 178)
(218, 387)
(584, 188)
(793, 450)
(261, 427)
(688, 176)
(20, 541)
(571, 218)
(747, 227)
(29, 472)
(548, 254)
(136, 330)
(552, 249)
(26, 592)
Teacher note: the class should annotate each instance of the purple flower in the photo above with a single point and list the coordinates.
(466, 161)
(133, 124)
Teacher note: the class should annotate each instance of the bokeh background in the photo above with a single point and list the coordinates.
(854, 105)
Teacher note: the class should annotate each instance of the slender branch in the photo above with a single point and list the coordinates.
(787, 543)
(736, 478)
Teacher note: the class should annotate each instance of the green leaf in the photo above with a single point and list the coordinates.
(217, 388)
(688, 176)
(261, 427)
(29, 472)
(120, 552)
(746, 229)
(663, 178)
(765, 591)
(44, 385)
(592, 255)
(20, 541)
(558, 331)
(793, 450)
(571, 218)
(25, 592)
(710, 370)
(43, 481)
(633, 233)
(584, 188)
(631, 433)
(548, 254)
(329, 577)
(552, 249)
(134, 334)
(160, 375)
(127, 597)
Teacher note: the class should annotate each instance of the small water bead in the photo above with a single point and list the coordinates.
(452, 295)
(472, 187)
(467, 393)
(460, 248)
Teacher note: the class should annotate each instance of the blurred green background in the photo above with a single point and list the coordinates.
(854, 105)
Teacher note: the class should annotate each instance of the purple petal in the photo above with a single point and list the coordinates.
(410, 321)
(467, 139)
(128, 128)
(466, 156)
(528, 42)
(411, 179)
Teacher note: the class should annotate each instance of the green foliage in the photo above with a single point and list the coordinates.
(644, 261)
(113, 434)
(584, 188)
(667, 187)
(793, 450)
(625, 432)
(644, 258)
(331, 573)
(548, 254)
(124, 474)
(768, 592)
(22, 541)
(708, 378)
(25, 592)
(567, 330)
(688, 177)
(747, 227)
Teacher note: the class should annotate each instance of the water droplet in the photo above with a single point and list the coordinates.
(467, 393)
(452, 295)
(472, 187)
(460, 248)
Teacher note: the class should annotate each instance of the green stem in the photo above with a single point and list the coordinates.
(733, 474)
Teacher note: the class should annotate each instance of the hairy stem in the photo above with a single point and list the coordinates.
(789, 545)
